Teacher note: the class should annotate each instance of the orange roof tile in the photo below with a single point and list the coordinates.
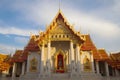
(115, 60)
(89, 46)
(115, 56)
(103, 54)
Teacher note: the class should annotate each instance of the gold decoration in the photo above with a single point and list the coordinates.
(33, 64)
(87, 64)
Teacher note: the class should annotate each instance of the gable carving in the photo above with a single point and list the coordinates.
(60, 29)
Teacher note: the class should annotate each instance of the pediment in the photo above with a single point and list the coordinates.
(60, 29)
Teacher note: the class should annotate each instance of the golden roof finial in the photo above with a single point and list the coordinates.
(59, 5)
(31, 35)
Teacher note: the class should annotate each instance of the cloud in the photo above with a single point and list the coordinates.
(8, 49)
(39, 12)
(21, 40)
(91, 24)
(17, 31)
(42, 13)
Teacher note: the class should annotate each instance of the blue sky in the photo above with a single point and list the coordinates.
(20, 18)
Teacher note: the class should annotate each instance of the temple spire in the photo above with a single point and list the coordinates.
(59, 5)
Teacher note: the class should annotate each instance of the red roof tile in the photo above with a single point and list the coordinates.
(32, 46)
(17, 57)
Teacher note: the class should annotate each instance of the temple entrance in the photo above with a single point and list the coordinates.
(59, 59)
(60, 64)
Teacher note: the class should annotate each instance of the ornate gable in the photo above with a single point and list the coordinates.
(60, 29)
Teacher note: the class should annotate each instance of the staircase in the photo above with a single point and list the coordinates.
(62, 76)
(30, 76)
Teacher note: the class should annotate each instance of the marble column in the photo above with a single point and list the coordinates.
(28, 63)
(107, 70)
(14, 70)
(78, 52)
(97, 67)
(78, 57)
(48, 64)
(71, 51)
(69, 57)
(49, 50)
(23, 68)
(69, 61)
(81, 61)
(42, 59)
(92, 61)
(73, 67)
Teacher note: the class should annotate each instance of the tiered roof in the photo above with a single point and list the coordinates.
(103, 55)
(21, 55)
(115, 60)
(89, 46)
(32, 45)
(17, 57)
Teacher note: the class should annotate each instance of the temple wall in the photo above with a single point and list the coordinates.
(33, 62)
(86, 61)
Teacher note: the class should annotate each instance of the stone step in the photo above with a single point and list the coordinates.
(59, 75)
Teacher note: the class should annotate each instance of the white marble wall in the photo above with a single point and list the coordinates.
(89, 55)
(32, 55)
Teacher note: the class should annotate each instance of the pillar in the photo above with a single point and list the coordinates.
(107, 70)
(97, 67)
(71, 51)
(14, 70)
(78, 52)
(69, 61)
(48, 64)
(81, 61)
(73, 66)
(69, 57)
(49, 50)
(92, 61)
(23, 68)
(42, 59)
(78, 57)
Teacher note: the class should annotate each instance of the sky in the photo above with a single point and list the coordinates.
(20, 18)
